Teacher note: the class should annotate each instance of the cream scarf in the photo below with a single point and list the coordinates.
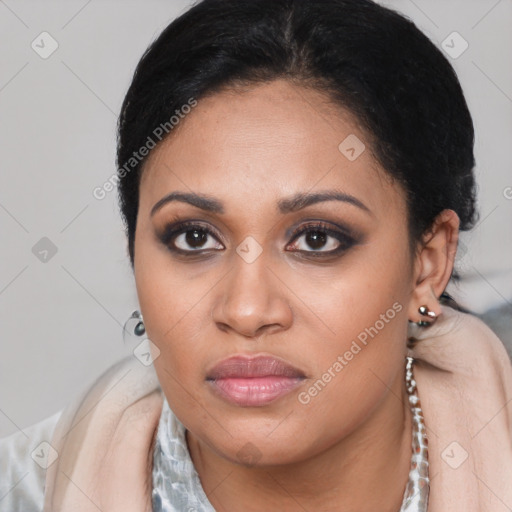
(105, 439)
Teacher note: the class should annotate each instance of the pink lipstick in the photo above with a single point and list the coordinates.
(253, 381)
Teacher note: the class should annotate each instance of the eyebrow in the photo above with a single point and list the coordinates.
(285, 205)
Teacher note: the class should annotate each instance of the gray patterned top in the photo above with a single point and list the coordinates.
(176, 484)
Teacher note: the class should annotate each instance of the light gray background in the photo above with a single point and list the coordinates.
(61, 321)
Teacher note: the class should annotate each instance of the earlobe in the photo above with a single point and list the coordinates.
(434, 265)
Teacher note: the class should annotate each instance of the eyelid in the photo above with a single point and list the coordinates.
(309, 224)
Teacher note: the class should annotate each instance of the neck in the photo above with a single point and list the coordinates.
(348, 476)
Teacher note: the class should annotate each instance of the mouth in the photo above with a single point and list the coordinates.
(253, 381)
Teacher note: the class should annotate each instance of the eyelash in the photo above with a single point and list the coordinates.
(345, 240)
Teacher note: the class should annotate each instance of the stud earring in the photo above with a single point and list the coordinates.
(424, 311)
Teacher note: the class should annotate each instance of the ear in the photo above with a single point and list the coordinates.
(434, 264)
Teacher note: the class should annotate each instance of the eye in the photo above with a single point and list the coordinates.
(187, 237)
(322, 239)
(315, 239)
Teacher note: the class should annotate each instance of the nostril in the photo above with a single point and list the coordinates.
(222, 326)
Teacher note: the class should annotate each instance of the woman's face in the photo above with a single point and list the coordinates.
(319, 288)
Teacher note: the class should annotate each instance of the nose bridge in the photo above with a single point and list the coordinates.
(249, 277)
(252, 296)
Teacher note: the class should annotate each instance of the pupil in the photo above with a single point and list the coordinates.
(315, 239)
(196, 236)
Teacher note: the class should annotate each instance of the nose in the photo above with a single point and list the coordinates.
(252, 300)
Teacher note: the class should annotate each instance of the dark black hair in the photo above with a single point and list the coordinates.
(367, 58)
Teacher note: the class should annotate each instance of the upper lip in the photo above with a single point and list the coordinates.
(256, 366)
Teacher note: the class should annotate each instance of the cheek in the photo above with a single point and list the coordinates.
(363, 313)
(360, 298)
(176, 316)
(355, 371)
(171, 296)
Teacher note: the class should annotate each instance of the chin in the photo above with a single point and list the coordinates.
(259, 445)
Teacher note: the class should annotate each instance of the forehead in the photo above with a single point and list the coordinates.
(267, 141)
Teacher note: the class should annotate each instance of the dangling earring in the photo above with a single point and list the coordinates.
(424, 311)
(139, 329)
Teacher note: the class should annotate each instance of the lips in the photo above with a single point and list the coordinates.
(253, 381)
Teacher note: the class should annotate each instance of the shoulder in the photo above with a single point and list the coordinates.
(462, 343)
(117, 411)
(24, 457)
(464, 377)
(467, 367)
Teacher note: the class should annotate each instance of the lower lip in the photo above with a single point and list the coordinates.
(255, 391)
